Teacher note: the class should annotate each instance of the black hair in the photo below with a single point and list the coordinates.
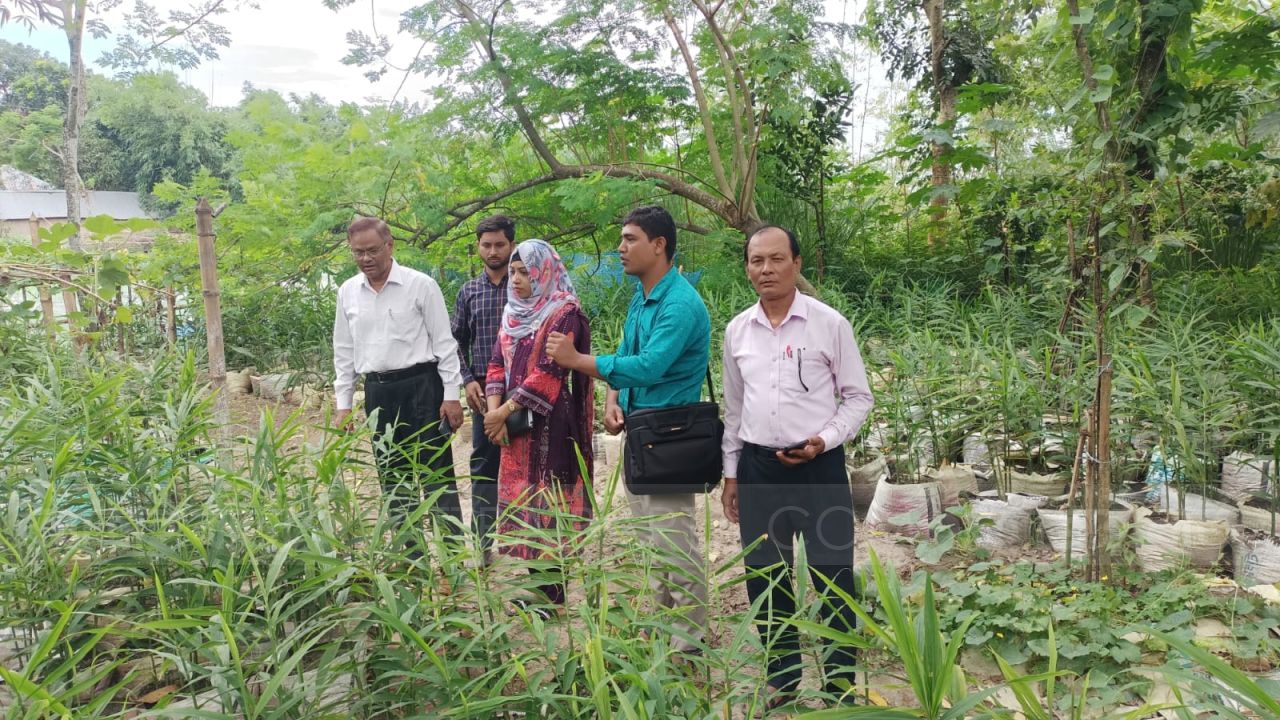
(515, 257)
(656, 222)
(791, 237)
(497, 223)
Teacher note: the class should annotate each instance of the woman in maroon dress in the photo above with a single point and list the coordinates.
(540, 478)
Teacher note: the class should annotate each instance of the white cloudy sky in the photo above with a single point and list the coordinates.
(296, 46)
(286, 45)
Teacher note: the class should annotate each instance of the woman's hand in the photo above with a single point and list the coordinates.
(501, 439)
(495, 424)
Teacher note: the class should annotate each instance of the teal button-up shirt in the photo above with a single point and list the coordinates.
(666, 343)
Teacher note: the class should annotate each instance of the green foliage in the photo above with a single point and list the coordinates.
(1029, 613)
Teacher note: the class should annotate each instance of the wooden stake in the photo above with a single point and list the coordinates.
(213, 325)
(212, 297)
(46, 299)
(171, 313)
(70, 305)
(1075, 483)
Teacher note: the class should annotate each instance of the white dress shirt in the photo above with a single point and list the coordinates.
(802, 379)
(404, 324)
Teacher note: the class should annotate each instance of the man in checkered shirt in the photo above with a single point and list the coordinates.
(475, 326)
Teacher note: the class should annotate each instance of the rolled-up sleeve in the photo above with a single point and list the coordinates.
(670, 333)
(856, 400)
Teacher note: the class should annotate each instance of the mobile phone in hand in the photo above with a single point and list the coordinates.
(798, 446)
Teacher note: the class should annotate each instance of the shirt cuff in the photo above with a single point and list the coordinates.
(344, 399)
(831, 438)
(467, 376)
(730, 469)
(604, 366)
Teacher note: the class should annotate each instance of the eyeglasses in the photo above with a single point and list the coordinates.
(358, 254)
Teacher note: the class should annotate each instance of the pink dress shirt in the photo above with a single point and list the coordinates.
(786, 384)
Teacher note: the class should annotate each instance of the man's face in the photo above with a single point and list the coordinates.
(770, 265)
(638, 251)
(372, 254)
(495, 249)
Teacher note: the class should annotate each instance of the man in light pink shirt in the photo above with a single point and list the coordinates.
(794, 391)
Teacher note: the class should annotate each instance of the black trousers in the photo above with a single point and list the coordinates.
(812, 501)
(412, 452)
(485, 459)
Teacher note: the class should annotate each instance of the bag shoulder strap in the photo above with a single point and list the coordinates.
(711, 388)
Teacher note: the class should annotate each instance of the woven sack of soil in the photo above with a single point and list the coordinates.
(1244, 475)
(904, 509)
(1010, 524)
(1256, 557)
(1164, 543)
(1030, 483)
(863, 481)
(952, 481)
(240, 382)
(1054, 523)
(1198, 507)
(1255, 516)
(976, 453)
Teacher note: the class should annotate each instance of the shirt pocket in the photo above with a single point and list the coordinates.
(804, 370)
(399, 326)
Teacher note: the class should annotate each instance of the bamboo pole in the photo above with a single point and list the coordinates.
(46, 299)
(171, 316)
(70, 305)
(213, 324)
(212, 297)
(1081, 444)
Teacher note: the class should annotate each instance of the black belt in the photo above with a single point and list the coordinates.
(761, 450)
(388, 376)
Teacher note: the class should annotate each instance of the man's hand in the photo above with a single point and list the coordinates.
(495, 425)
(475, 397)
(614, 421)
(814, 447)
(729, 499)
(344, 421)
(451, 411)
(561, 350)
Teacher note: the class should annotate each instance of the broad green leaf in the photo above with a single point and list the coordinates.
(102, 225)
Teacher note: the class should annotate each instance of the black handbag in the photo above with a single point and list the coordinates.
(519, 422)
(674, 449)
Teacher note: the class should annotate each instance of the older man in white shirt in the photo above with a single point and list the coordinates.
(392, 327)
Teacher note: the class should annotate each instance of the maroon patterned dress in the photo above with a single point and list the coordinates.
(540, 469)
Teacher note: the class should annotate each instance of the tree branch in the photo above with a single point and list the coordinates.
(508, 85)
(734, 83)
(208, 11)
(704, 110)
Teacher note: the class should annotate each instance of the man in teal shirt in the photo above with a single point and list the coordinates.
(662, 362)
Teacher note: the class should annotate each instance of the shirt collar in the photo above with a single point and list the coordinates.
(395, 276)
(663, 287)
(799, 309)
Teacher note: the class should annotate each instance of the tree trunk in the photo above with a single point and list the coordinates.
(77, 104)
(946, 115)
